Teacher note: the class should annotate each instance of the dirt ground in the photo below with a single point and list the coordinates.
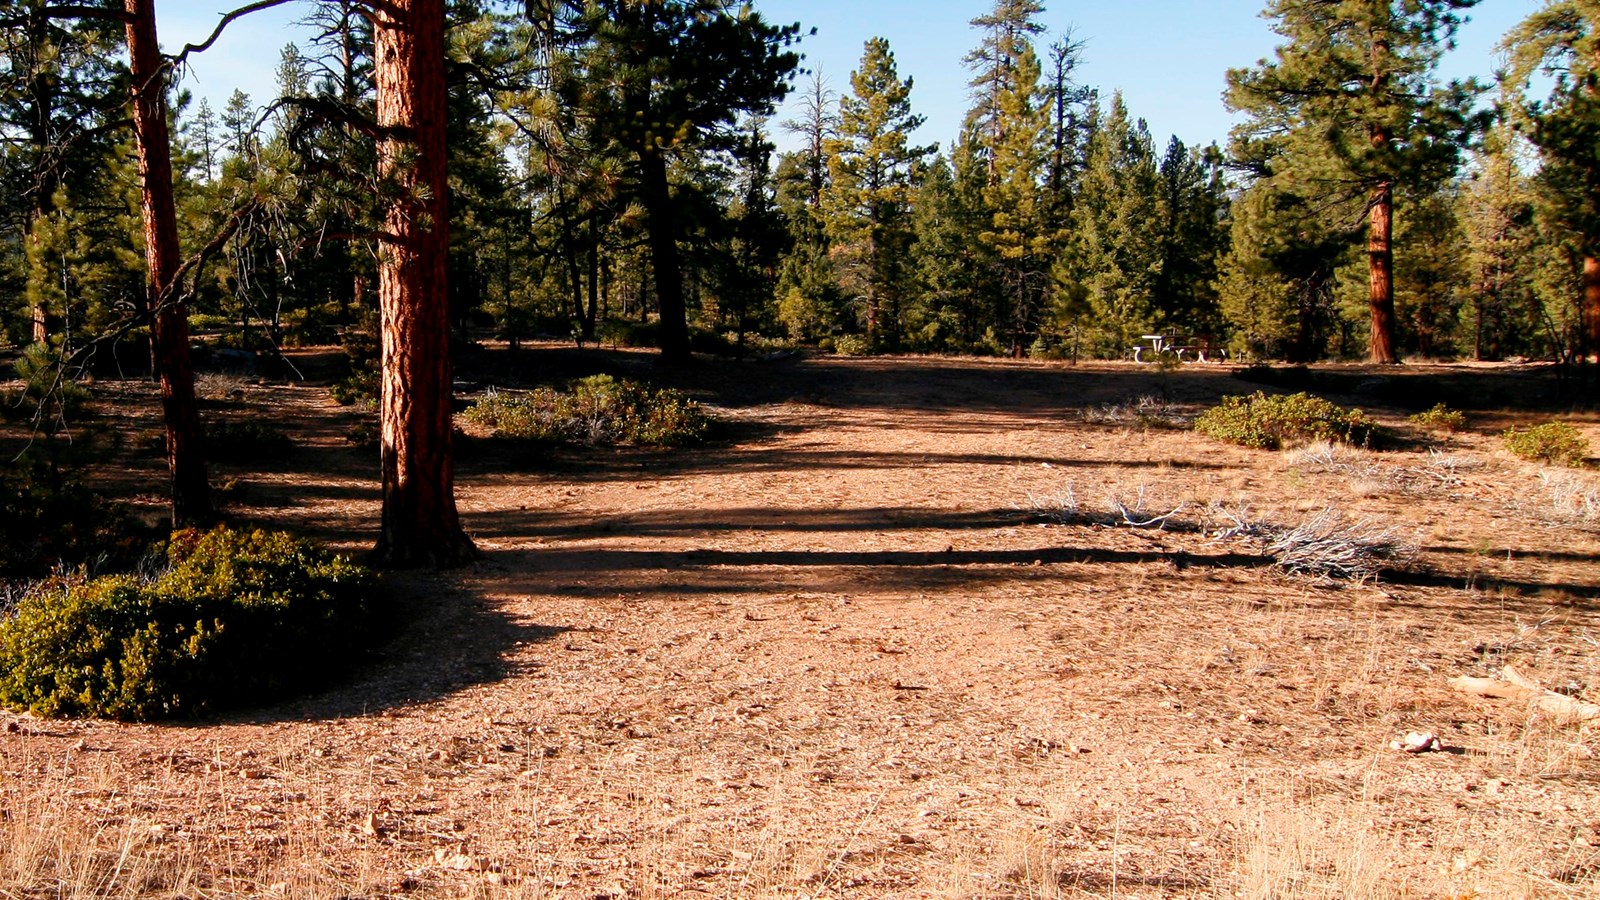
(858, 647)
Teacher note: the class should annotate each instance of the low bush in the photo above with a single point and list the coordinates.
(851, 345)
(598, 411)
(629, 334)
(1553, 443)
(360, 388)
(1440, 418)
(237, 618)
(1269, 422)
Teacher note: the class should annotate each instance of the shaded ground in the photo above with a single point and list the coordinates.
(842, 652)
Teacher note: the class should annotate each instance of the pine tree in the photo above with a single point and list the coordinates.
(666, 82)
(1351, 109)
(957, 304)
(866, 208)
(1193, 232)
(61, 93)
(1430, 276)
(1497, 208)
(756, 236)
(1008, 31)
(807, 288)
(1020, 227)
(1071, 106)
(420, 524)
(1108, 276)
(1276, 280)
(1562, 42)
(201, 133)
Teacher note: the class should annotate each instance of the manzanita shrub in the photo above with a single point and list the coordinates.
(1553, 443)
(1268, 422)
(237, 618)
(598, 411)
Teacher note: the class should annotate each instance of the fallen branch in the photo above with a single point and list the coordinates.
(1513, 685)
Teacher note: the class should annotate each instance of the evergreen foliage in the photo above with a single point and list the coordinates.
(1561, 41)
(1350, 112)
(613, 177)
(1553, 443)
(236, 618)
(1268, 422)
(598, 411)
(866, 206)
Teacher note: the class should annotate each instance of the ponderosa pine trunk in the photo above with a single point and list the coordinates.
(1380, 265)
(664, 259)
(420, 524)
(169, 320)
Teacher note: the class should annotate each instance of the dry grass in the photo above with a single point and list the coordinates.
(821, 662)
(1145, 412)
(1565, 497)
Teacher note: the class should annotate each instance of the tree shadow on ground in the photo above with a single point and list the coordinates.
(441, 639)
(946, 384)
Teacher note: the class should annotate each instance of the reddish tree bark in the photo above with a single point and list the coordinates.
(1380, 265)
(1380, 231)
(169, 323)
(420, 523)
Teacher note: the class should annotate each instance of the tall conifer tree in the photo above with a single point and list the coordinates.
(1562, 41)
(1352, 110)
(866, 207)
(1019, 227)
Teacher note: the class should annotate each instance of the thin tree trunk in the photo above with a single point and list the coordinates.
(593, 259)
(1380, 265)
(46, 175)
(657, 196)
(1591, 305)
(37, 268)
(191, 493)
(420, 523)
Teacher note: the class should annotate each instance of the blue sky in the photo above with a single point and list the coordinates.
(1168, 57)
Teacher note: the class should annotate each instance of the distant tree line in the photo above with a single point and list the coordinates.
(613, 175)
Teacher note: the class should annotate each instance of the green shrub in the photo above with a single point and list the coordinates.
(361, 387)
(50, 396)
(1440, 418)
(1269, 422)
(1553, 443)
(598, 411)
(851, 345)
(237, 618)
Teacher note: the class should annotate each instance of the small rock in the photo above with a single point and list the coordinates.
(1418, 742)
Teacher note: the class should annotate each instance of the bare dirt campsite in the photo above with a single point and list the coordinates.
(892, 633)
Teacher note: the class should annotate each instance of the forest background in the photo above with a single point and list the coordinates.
(1053, 225)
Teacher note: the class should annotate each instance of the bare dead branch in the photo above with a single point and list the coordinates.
(216, 33)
